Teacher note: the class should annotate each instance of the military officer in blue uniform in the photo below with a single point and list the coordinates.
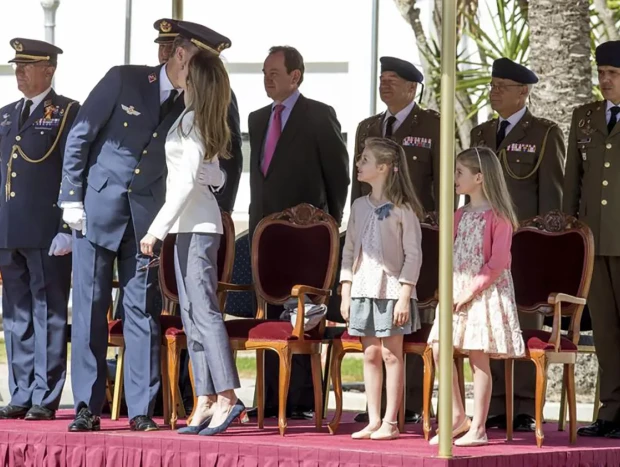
(34, 241)
(113, 185)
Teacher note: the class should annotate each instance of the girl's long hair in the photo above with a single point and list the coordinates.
(210, 95)
(398, 188)
(483, 160)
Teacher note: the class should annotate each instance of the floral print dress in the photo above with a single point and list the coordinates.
(489, 322)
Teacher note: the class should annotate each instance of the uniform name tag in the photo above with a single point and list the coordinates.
(584, 140)
(521, 147)
(414, 141)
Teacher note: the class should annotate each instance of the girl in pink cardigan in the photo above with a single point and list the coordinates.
(381, 264)
(485, 319)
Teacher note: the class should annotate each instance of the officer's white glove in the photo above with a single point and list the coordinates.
(61, 245)
(211, 175)
(74, 216)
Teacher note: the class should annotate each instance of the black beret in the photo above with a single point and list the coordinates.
(608, 54)
(402, 68)
(167, 29)
(32, 51)
(507, 69)
(203, 37)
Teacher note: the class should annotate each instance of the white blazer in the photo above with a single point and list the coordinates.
(190, 205)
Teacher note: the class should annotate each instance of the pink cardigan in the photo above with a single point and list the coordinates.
(496, 249)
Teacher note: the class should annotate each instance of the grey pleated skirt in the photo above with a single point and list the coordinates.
(373, 317)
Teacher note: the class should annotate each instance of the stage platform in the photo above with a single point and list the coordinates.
(48, 444)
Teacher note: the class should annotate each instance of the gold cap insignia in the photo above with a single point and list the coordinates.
(222, 46)
(165, 26)
(18, 46)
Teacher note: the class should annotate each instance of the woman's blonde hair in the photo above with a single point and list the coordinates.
(398, 188)
(210, 94)
(483, 160)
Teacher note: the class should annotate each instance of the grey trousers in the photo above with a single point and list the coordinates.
(195, 264)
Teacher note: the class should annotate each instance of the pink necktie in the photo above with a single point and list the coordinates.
(273, 134)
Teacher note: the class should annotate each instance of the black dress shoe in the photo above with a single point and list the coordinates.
(524, 423)
(496, 421)
(143, 423)
(13, 412)
(599, 429)
(361, 417)
(412, 417)
(38, 412)
(85, 421)
(301, 415)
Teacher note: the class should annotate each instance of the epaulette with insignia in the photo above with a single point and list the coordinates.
(432, 112)
(546, 121)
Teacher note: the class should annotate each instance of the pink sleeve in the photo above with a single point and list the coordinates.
(501, 241)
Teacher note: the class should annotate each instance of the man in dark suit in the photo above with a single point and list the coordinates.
(34, 242)
(297, 156)
(113, 185)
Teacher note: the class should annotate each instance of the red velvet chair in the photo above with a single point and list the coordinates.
(294, 254)
(415, 343)
(552, 260)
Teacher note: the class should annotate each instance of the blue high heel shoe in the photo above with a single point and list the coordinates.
(194, 430)
(237, 411)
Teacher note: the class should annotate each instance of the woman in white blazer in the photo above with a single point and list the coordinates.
(191, 211)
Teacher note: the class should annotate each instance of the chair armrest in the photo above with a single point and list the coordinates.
(227, 287)
(556, 299)
(300, 291)
(307, 290)
(565, 298)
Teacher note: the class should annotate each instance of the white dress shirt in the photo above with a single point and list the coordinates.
(512, 120)
(190, 205)
(400, 118)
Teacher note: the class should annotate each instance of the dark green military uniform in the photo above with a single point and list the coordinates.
(419, 136)
(532, 157)
(592, 192)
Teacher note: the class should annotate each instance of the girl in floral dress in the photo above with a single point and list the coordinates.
(485, 322)
(381, 264)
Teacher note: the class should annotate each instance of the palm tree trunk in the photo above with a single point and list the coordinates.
(560, 56)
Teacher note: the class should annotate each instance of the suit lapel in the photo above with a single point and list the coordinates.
(294, 122)
(599, 120)
(150, 94)
(518, 132)
(489, 134)
(262, 121)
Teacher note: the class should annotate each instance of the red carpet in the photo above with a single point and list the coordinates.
(47, 444)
